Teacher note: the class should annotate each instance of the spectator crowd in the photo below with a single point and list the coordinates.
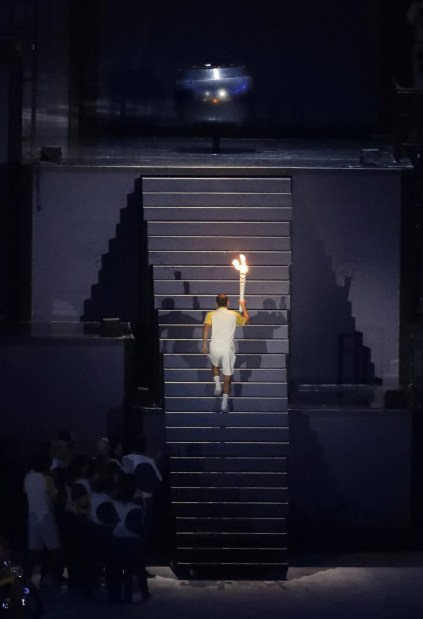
(82, 521)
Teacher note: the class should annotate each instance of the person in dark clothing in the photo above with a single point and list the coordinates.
(75, 542)
(13, 505)
(147, 479)
(99, 527)
(128, 546)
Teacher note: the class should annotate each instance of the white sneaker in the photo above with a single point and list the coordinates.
(217, 390)
(224, 408)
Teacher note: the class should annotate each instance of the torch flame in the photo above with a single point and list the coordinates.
(241, 267)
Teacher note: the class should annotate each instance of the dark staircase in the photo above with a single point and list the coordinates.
(228, 471)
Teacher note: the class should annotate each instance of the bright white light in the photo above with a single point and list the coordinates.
(241, 266)
(222, 93)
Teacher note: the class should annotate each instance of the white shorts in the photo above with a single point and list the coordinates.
(43, 532)
(224, 358)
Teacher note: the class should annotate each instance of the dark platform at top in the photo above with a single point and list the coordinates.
(250, 155)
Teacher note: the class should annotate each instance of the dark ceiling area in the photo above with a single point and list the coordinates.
(110, 67)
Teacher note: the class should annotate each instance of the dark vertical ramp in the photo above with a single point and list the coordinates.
(228, 471)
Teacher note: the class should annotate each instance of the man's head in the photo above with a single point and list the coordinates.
(222, 300)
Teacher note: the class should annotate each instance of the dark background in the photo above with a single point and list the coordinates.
(317, 66)
(110, 65)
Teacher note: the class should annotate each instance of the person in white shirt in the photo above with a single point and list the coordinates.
(42, 528)
(143, 467)
(222, 322)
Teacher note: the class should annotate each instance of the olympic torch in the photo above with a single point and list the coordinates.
(241, 266)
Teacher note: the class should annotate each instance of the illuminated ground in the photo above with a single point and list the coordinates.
(376, 586)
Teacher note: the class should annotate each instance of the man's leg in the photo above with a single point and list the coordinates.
(216, 378)
(228, 362)
(227, 381)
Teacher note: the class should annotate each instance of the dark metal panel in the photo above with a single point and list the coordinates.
(180, 213)
(264, 404)
(187, 302)
(257, 495)
(245, 200)
(239, 389)
(216, 184)
(209, 243)
(251, 332)
(235, 228)
(242, 346)
(249, 361)
(249, 420)
(240, 375)
(272, 316)
(228, 450)
(220, 257)
(229, 480)
(242, 435)
(221, 540)
(263, 288)
(189, 273)
(228, 510)
(174, 287)
(241, 464)
(238, 525)
(233, 556)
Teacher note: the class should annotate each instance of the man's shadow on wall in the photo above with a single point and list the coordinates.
(322, 314)
(179, 318)
(124, 289)
(270, 319)
(171, 324)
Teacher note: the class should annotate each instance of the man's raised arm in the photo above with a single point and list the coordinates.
(244, 311)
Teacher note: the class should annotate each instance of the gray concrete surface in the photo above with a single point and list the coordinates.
(364, 586)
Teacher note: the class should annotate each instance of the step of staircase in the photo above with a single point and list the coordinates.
(248, 361)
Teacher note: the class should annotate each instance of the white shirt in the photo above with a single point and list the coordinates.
(39, 489)
(123, 510)
(223, 322)
(131, 461)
